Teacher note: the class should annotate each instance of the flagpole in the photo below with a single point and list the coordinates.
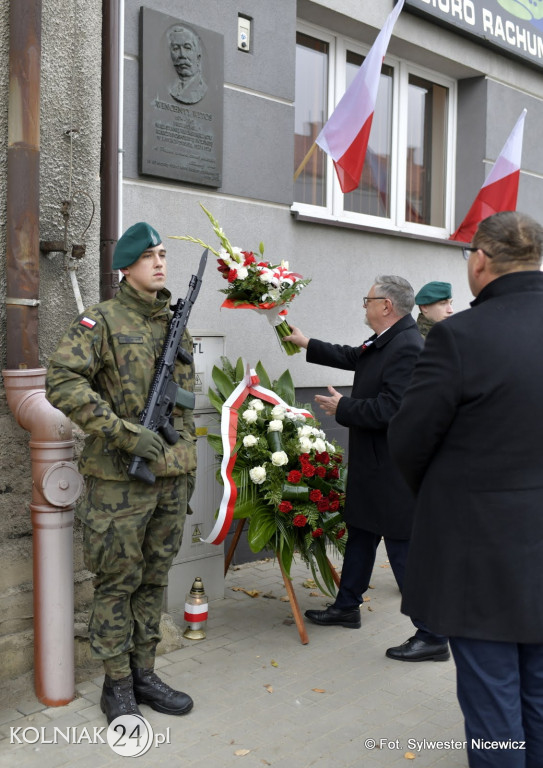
(305, 161)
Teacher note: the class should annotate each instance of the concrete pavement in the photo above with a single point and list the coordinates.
(264, 699)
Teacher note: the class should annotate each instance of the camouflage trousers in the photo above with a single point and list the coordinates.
(132, 532)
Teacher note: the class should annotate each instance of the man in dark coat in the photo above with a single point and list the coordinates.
(378, 501)
(468, 439)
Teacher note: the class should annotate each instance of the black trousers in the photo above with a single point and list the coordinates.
(500, 691)
(357, 568)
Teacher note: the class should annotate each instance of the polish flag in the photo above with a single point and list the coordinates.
(499, 192)
(345, 135)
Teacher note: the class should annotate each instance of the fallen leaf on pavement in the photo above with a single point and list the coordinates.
(309, 584)
(274, 663)
(269, 688)
(250, 592)
(318, 690)
(242, 752)
(409, 756)
(285, 599)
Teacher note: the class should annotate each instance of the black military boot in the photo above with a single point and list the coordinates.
(118, 698)
(150, 689)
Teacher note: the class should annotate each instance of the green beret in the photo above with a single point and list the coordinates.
(432, 292)
(137, 239)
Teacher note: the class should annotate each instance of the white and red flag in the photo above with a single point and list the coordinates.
(500, 190)
(345, 135)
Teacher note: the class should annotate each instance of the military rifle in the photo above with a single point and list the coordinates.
(165, 393)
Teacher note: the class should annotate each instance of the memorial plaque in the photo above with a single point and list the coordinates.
(181, 100)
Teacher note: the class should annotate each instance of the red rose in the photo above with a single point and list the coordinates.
(285, 507)
(322, 458)
(334, 506)
(249, 258)
(315, 495)
(303, 457)
(294, 476)
(323, 505)
(232, 275)
(317, 532)
(299, 521)
(338, 458)
(320, 471)
(308, 470)
(333, 495)
(333, 473)
(340, 534)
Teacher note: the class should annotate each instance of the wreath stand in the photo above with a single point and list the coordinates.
(298, 618)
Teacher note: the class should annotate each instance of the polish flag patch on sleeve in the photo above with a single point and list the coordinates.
(87, 322)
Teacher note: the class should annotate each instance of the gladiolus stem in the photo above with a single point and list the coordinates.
(282, 330)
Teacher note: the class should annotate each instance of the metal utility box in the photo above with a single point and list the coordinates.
(194, 557)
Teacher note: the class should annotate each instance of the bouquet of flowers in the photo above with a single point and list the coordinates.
(254, 283)
(290, 478)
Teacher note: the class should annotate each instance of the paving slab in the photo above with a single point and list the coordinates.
(264, 699)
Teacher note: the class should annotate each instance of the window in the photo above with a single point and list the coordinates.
(406, 181)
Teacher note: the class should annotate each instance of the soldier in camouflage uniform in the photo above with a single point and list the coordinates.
(434, 301)
(100, 376)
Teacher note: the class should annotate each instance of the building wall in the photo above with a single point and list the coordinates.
(253, 204)
(70, 98)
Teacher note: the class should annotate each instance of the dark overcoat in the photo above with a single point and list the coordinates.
(378, 499)
(469, 440)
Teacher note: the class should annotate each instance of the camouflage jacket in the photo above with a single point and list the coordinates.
(100, 376)
(424, 325)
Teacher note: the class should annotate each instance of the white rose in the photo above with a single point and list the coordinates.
(266, 276)
(279, 458)
(242, 273)
(319, 445)
(278, 412)
(250, 416)
(330, 448)
(258, 405)
(249, 441)
(305, 444)
(257, 475)
(275, 426)
(305, 431)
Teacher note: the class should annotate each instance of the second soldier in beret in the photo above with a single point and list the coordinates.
(434, 301)
(100, 377)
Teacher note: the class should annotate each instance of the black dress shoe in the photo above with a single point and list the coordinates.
(150, 689)
(415, 649)
(118, 698)
(333, 615)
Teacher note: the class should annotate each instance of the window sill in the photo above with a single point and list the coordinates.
(329, 221)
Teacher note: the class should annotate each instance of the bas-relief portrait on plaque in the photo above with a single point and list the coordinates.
(181, 100)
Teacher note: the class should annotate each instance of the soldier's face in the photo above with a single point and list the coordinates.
(148, 273)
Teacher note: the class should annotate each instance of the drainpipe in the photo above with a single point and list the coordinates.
(55, 481)
(110, 159)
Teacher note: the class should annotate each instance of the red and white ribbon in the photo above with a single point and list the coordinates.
(229, 431)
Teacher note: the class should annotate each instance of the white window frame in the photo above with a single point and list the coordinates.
(333, 211)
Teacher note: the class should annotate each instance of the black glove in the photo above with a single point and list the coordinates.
(149, 445)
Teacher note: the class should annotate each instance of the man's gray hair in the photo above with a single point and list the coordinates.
(398, 290)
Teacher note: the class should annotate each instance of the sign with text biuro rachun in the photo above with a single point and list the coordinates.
(513, 26)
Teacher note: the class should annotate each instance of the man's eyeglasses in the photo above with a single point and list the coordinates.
(371, 298)
(468, 249)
